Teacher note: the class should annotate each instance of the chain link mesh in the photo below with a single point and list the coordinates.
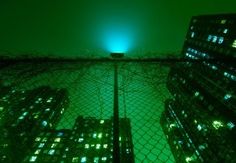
(142, 93)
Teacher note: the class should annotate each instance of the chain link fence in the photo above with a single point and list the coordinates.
(89, 86)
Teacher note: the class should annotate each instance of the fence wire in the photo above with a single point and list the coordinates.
(89, 88)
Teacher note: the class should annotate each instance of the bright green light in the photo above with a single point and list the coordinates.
(86, 146)
(100, 135)
(98, 146)
(33, 159)
(172, 125)
(188, 159)
(217, 124)
(101, 121)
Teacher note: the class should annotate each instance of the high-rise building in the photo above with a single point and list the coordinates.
(90, 140)
(199, 121)
(24, 115)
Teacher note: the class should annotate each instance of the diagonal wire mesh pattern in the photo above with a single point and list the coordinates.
(142, 92)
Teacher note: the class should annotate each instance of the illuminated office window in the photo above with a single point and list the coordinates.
(37, 151)
(217, 124)
(33, 159)
(225, 31)
(192, 34)
(96, 159)
(53, 145)
(223, 21)
(37, 139)
(44, 123)
(83, 159)
(214, 39)
(104, 158)
(209, 38)
(57, 140)
(234, 44)
(75, 159)
(51, 151)
(227, 96)
(230, 125)
(41, 145)
(221, 40)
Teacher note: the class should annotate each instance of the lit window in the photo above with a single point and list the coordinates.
(62, 110)
(196, 94)
(223, 21)
(5, 145)
(234, 44)
(213, 67)
(105, 145)
(217, 124)
(21, 117)
(86, 146)
(60, 134)
(36, 116)
(221, 40)
(33, 159)
(100, 135)
(25, 113)
(230, 125)
(225, 31)
(104, 158)
(199, 127)
(96, 159)
(48, 109)
(192, 158)
(44, 123)
(209, 38)
(37, 151)
(49, 100)
(227, 96)
(98, 146)
(53, 145)
(51, 151)
(172, 125)
(41, 145)
(37, 139)
(81, 139)
(214, 39)
(226, 74)
(83, 159)
(57, 139)
(75, 159)
(101, 121)
(201, 147)
(233, 77)
(192, 34)
(94, 135)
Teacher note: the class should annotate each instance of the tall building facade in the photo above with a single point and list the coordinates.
(28, 120)
(199, 121)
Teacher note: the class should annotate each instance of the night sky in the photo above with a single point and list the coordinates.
(84, 27)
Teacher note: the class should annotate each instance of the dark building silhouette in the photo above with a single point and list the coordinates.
(199, 121)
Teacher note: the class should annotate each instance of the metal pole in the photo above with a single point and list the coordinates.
(116, 149)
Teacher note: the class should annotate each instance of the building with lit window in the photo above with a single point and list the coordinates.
(49, 146)
(90, 140)
(199, 121)
(25, 114)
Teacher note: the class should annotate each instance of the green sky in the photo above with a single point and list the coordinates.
(76, 27)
